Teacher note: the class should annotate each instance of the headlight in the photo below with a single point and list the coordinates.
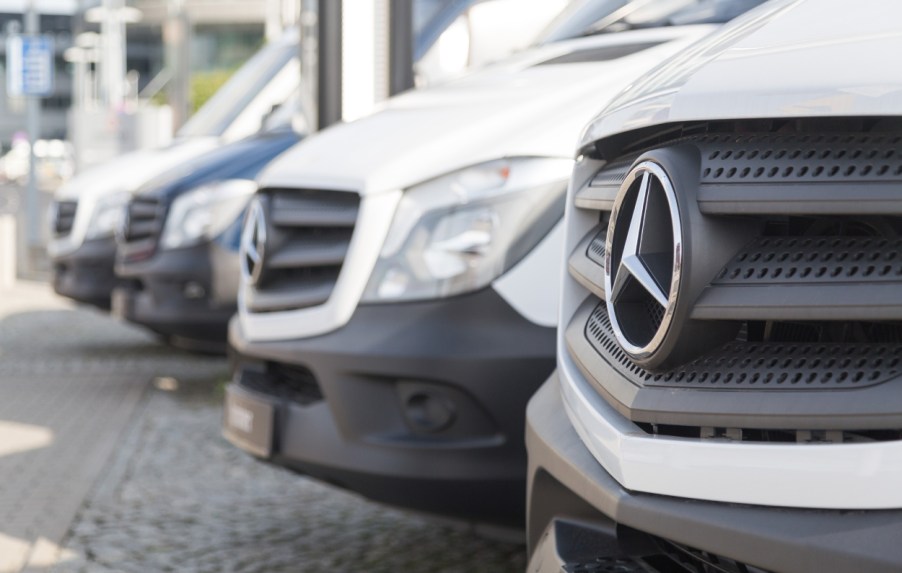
(107, 217)
(202, 213)
(457, 233)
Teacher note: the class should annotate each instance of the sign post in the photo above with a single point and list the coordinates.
(30, 70)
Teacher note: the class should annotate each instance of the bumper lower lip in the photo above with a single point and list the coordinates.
(86, 273)
(153, 294)
(566, 481)
(766, 474)
(472, 468)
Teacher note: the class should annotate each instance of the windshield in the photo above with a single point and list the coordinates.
(285, 115)
(430, 19)
(215, 117)
(588, 17)
(423, 12)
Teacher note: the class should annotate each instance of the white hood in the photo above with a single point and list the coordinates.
(516, 108)
(130, 171)
(123, 174)
(789, 58)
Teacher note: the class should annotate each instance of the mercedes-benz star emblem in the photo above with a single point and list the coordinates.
(643, 260)
(121, 230)
(253, 243)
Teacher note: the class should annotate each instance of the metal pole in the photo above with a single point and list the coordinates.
(113, 62)
(329, 33)
(309, 58)
(33, 126)
(177, 40)
(400, 46)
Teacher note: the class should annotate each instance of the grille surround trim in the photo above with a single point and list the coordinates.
(375, 217)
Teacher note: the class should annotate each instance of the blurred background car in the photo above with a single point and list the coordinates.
(180, 276)
(177, 251)
(88, 209)
(396, 310)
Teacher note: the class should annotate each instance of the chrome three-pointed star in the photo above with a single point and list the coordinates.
(648, 245)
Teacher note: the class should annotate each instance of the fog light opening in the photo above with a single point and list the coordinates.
(428, 412)
(194, 290)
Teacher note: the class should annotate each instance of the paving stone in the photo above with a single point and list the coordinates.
(157, 486)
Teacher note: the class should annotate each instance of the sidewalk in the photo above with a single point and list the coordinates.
(69, 382)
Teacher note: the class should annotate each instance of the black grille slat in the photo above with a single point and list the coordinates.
(586, 266)
(143, 209)
(65, 217)
(308, 236)
(140, 230)
(318, 209)
(299, 293)
(312, 252)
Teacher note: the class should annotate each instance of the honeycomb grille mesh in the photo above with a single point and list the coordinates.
(747, 365)
(800, 158)
(815, 260)
(595, 252)
(613, 174)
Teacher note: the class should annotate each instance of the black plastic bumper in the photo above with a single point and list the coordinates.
(86, 274)
(573, 500)
(419, 405)
(174, 293)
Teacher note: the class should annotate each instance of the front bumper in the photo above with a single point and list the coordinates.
(418, 405)
(572, 498)
(176, 294)
(86, 274)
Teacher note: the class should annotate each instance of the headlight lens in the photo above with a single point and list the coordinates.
(203, 213)
(457, 233)
(108, 214)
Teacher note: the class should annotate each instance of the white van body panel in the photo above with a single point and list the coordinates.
(520, 107)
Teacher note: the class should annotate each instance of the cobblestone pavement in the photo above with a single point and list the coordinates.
(174, 496)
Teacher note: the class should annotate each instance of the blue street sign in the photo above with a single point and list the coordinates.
(29, 66)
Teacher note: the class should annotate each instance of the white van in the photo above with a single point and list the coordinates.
(400, 292)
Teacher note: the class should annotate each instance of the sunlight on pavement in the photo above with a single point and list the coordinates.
(13, 553)
(46, 553)
(16, 438)
(16, 554)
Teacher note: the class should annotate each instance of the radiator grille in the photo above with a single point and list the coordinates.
(790, 300)
(64, 217)
(141, 230)
(307, 238)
